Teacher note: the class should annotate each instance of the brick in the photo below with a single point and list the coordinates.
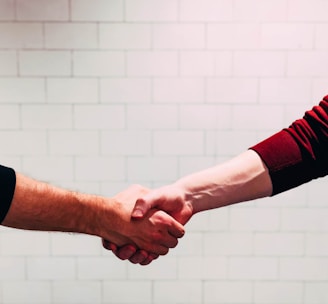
(152, 63)
(12, 268)
(147, 169)
(239, 141)
(200, 268)
(279, 244)
(253, 268)
(125, 143)
(140, 290)
(73, 143)
(77, 292)
(100, 117)
(320, 41)
(98, 64)
(319, 89)
(256, 117)
(316, 244)
(178, 143)
(307, 10)
(74, 245)
(205, 117)
(91, 169)
(9, 117)
(49, 168)
(228, 292)
(228, 244)
(206, 10)
(41, 117)
(287, 36)
(178, 90)
(8, 63)
(307, 64)
(50, 268)
(285, 91)
(260, 64)
(303, 269)
(37, 10)
(125, 90)
(11, 161)
(152, 117)
(254, 219)
(21, 243)
(151, 10)
(103, 268)
(278, 292)
(231, 90)
(189, 244)
(191, 164)
(21, 35)
(97, 10)
(205, 63)
(25, 143)
(7, 10)
(181, 36)
(72, 90)
(182, 291)
(49, 63)
(316, 192)
(233, 36)
(22, 90)
(164, 269)
(260, 10)
(316, 292)
(304, 219)
(125, 36)
(71, 35)
(37, 292)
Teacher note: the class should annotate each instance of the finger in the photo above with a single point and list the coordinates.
(139, 257)
(169, 241)
(109, 245)
(176, 229)
(141, 208)
(151, 257)
(126, 252)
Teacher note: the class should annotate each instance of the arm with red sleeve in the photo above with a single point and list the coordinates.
(299, 153)
(283, 161)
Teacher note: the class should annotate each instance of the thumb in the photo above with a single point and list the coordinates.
(140, 208)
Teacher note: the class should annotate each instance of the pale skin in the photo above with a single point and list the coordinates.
(40, 206)
(243, 178)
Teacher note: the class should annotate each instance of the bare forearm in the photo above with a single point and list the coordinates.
(40, 206)
(242, 178)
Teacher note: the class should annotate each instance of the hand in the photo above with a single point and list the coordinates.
(169, 198)
(155, 233)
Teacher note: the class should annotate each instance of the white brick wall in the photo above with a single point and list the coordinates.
(98, 94)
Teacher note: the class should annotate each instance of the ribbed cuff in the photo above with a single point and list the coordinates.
(284, 160)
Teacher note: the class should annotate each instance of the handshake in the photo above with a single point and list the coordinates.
(148, 222)
(137, 224)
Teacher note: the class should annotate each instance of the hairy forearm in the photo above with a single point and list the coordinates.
(40, 206)
(240, 179)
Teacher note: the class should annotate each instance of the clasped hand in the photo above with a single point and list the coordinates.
(154, 225)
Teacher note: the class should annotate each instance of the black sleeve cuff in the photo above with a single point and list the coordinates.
(7, 189)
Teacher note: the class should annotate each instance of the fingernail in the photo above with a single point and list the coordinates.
(137, 213)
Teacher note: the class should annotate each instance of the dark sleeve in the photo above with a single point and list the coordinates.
(299, 153)
(7, 189)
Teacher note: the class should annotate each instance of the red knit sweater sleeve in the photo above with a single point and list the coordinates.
(299, 153)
